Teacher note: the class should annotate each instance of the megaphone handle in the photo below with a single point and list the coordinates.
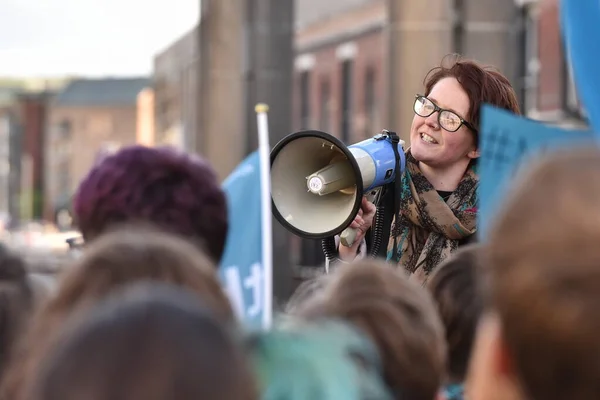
(348, 236)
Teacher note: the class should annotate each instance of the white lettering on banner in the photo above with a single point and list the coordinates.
(253, 283)
(233, 287)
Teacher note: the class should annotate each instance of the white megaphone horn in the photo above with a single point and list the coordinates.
(317, 182)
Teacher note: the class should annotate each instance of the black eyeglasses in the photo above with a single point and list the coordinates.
(447, 119)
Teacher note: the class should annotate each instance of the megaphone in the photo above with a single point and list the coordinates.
(317, 182)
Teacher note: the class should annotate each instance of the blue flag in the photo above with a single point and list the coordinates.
(242, 268)
(580, 25)
(507, 141)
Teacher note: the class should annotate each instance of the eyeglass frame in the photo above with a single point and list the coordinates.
(439, 110)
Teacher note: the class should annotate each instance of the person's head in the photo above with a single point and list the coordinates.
(114, 261)
(450, 138)
(16, 302)
(175, 191)
(398, 315)
(325, 360)
(455, 290)
(148, 342)
(538, 337)
(305, 291)
(134, 254)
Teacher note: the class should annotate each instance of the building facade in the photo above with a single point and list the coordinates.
(550, 94)
(359, 65)
(33, 112)
(340, 71)
(175, 90)
(88, 119)
(9, 147)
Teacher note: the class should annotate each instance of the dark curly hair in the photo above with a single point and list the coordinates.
(175, 191)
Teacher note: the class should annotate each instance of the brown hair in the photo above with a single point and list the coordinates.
(16, 302)
(111, 262)
(544, 275)
(483, 84)
(455, 289)
(152, 341)
(398, 315)
(305, 291)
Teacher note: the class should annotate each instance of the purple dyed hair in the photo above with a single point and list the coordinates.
(169, 189)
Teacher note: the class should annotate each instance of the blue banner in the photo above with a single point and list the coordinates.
(242, 270)
(580, 25)
(507, 141)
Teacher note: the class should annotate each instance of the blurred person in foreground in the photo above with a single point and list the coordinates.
(17, 302)
(538, 338)
(327, 360)
(151, 341)
(114, 261)
(438, 202)
(398, 315)
(455, 290)
(175, 191)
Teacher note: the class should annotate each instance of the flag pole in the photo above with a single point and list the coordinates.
(264, 150)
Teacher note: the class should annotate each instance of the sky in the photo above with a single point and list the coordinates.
(53, 38)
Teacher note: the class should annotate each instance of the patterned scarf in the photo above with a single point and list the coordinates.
(430, 229)
(455, 391)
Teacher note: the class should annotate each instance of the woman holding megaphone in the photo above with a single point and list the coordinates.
(438, 198)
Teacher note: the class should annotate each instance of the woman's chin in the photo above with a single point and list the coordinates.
(420, 154)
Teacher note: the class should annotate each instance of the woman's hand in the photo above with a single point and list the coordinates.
(362, 222)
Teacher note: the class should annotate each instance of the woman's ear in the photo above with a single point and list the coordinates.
(473, 154)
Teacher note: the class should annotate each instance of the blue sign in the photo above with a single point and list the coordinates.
(580, 24)
(241, 268)
(507, 141)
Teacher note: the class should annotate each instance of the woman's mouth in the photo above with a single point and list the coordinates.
(428, 139)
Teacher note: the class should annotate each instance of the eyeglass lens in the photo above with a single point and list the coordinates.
(447, 119)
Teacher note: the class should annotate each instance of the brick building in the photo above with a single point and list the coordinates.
(32, 115)
(360, 62)
(23, 114)
(175, 87)
(550, 94)
(87, 119)
(340, 69)
(9, 133)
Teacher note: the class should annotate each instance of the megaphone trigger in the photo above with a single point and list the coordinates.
(348, 236)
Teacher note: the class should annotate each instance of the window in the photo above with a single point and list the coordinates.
(65, 129)
(305, 100)
(531, 63)
(370, 105)
(458, 28)
(325, 106)
(346, 116)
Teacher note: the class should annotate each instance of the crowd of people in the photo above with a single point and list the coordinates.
(142, 315)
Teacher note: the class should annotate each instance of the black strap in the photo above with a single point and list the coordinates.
(397, 188)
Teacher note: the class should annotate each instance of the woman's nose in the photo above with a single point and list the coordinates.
(432, 120)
